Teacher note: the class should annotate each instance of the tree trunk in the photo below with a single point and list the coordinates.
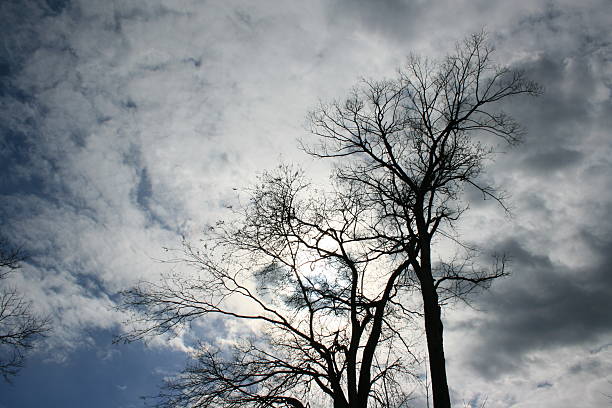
(433, 325)
(435, 347)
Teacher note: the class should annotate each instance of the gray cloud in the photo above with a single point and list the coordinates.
(125, 124)
(554, 159)
(560, 237)
(389, 18)
(544, 305)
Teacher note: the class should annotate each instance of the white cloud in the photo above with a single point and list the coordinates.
(204, 95)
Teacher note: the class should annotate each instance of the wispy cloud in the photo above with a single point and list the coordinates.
(125, 125)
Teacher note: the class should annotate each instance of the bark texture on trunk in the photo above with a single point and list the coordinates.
(433, 324)
(435, 348)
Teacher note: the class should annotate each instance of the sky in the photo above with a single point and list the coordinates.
(125, 125)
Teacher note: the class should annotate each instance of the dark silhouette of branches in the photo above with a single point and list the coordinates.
(326, 277)
(410, 145)
(313, 273)
(19, 326)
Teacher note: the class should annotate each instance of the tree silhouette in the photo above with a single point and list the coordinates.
(411, 145)
(330, 277)
(19, 326)
(311, 270)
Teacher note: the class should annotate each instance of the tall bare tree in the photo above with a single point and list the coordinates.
(311, 271)
(410, 145)
(20, 327)
(328, 277)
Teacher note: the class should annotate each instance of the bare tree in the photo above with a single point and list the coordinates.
(410, 145)
(20, 327)
(328, 277)
(311, 271)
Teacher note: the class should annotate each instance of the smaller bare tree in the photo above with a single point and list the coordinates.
(20, 327)
(314, 274)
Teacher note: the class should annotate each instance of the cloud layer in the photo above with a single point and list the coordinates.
(124, 125)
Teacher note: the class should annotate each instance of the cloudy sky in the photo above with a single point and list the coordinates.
(126, 124)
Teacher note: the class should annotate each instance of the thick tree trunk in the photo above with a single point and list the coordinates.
(340, 402)
(435, 347)
(433, 324)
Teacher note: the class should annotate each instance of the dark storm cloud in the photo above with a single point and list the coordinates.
(544, 305)
(569, 82)
(547, 304)
(559, 182)
(573, 50)
(554, 159)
